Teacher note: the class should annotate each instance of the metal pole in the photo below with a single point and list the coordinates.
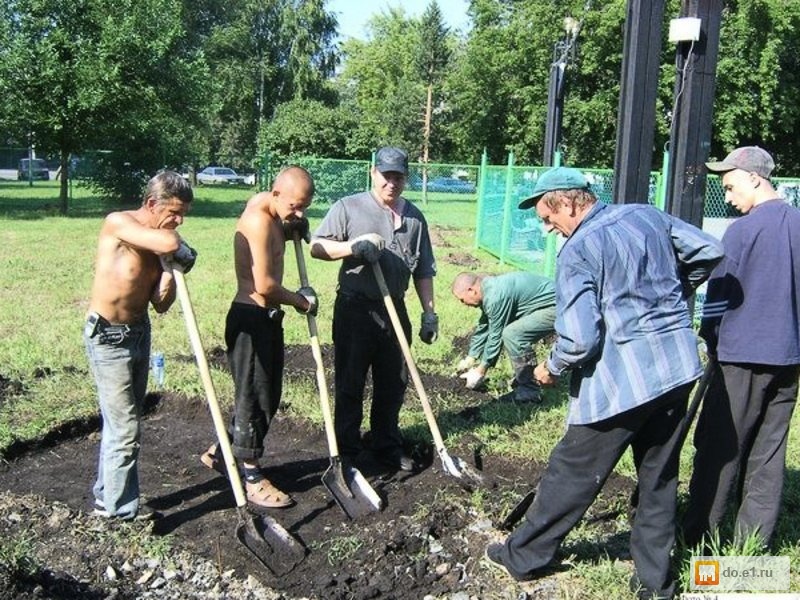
(637, 101)
(690, 135)
(555, 104)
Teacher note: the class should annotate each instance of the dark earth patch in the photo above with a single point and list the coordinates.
(427, 541)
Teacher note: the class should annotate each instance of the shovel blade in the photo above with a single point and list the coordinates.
(351, 491)
(468, 477)
(518, 511)
(270, 543)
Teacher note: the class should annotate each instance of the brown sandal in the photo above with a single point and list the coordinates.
(212, 458)
(264, 494)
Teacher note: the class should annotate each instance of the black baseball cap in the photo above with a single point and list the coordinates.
(392, 159)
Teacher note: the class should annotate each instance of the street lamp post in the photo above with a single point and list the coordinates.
(562, 51)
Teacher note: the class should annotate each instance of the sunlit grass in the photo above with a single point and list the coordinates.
(46, 263)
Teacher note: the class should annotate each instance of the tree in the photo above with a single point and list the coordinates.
(101, 74)
(498, 90)
(263, 53)
(432, 58)
(304, 128)
(381, 84)
(758, 81)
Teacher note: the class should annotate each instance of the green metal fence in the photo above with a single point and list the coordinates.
(336, 179)
(517, 237)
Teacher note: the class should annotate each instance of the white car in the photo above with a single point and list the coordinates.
(214, 175)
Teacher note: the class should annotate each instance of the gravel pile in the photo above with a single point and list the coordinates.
(49, 551)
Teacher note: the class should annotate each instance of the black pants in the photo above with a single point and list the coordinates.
(254, 337)
(364, 338)
(579, 466)
(741, 436)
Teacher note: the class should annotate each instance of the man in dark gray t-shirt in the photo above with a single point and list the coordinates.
(376, 226)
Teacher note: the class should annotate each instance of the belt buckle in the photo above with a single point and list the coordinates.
(114, 334)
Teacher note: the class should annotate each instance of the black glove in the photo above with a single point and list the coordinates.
(184, 257)
(310, 295)
(429, 327)
(367, 247)
(299, 226)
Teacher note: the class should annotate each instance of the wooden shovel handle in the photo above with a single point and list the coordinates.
(412, 366)
(316, 351)
(208, 385)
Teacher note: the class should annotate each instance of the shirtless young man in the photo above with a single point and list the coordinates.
(136, 253)
(253, 329)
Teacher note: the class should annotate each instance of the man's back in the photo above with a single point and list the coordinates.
(622, 308)
(516, 294)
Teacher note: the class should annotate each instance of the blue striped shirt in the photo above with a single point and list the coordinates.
(623, 323)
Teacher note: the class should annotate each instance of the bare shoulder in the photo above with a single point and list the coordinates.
(119, 218)
(257, 202)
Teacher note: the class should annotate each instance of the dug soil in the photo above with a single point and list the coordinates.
(427, 540)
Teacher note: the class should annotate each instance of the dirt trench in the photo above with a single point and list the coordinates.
(427, 541)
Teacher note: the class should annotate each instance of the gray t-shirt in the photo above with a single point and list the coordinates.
(408, 248)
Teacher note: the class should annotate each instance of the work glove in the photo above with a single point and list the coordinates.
(299, 227)
(474, 378)
(465, 364)
(310, 295)
(367, 247)
(429, 327)
(184, 257)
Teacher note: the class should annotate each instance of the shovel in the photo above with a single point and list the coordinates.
(347, 485)
(522, 506)
(262, 535)
(452, 465)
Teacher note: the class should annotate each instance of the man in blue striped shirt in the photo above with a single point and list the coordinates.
(625, 334)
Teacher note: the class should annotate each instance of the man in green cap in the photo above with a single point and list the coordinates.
(624, 333)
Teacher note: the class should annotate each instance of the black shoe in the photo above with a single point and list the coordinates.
(398, 462)
(493, 558)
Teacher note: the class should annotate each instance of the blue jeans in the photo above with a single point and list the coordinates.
(119, 360)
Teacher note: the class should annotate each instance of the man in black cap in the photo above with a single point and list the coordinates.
(624, 333)
(376, 226)
(751, 323)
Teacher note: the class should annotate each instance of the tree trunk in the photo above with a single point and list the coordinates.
(426, 141)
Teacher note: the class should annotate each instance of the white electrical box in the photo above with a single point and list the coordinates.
(685, 29)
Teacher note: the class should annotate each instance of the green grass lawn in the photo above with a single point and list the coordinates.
(46, 263)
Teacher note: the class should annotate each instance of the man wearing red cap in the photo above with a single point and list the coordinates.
(751, 323)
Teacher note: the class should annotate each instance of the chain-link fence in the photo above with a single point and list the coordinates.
(518, 236)
(336, 178)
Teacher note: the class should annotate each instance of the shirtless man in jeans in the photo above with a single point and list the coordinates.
(253, 328)
(136, 253)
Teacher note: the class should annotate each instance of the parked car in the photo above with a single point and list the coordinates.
(442, 184)
(35, 168)
(218, 175)
(451, 184)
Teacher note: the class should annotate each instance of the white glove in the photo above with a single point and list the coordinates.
(367, 247)
(474, 378)
(465, 364)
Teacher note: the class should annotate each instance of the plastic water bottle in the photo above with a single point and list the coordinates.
(157, 362)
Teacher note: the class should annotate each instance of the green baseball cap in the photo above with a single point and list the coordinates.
(559, 178)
